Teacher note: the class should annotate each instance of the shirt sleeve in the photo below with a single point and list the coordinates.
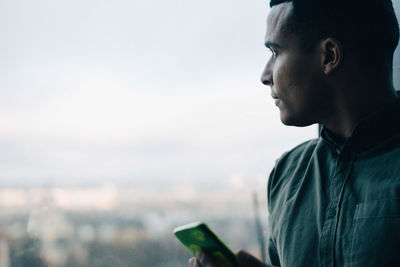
(272, 252)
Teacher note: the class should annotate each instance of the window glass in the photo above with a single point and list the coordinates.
(121, 120)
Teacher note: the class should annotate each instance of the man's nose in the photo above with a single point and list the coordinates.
(266, 77)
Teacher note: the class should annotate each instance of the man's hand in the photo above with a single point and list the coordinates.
(244, 260)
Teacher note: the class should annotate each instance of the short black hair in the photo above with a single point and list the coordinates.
(366, 28)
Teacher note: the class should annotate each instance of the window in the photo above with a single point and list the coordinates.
(121, 120)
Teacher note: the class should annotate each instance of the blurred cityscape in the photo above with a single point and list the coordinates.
(115, 226)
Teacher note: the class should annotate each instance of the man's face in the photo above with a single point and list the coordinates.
(293, 74)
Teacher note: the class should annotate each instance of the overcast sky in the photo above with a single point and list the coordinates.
(138, 91)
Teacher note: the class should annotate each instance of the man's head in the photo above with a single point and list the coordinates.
(366, 28)
(311, 40)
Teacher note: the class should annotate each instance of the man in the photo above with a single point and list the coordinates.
(335, 200)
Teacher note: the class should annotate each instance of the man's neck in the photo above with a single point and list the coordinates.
(347, 114)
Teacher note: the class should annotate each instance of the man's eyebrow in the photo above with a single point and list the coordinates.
(271, 44)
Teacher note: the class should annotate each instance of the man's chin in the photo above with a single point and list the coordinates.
(297, 122)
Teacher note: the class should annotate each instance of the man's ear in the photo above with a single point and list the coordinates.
(332, 55)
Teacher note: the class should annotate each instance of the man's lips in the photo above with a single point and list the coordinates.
(276, 97)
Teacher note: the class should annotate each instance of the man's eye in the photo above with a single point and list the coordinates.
(273, 52)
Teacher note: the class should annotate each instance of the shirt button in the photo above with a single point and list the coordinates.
(331, 212)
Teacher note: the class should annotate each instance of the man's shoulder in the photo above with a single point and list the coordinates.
(291, 161)
(303, 151)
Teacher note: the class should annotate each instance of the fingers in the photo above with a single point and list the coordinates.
(246, 259)
(194, 263)
(205, 260)
(201, 260)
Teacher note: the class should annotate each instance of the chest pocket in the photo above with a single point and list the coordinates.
(376, 234)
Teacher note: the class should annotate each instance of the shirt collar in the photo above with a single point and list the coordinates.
(336, 141)
(371, 130)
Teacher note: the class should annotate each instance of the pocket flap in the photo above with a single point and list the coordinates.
(382, 208)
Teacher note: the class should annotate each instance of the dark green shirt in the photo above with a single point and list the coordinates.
(337, 203)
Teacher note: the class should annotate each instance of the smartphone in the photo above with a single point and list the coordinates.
(198, 236)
